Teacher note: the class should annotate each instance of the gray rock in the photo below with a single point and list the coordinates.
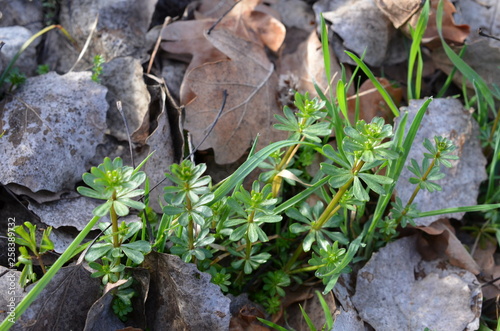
(52, 125)
(120, 31)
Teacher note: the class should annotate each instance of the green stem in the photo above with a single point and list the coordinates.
(114, 228)
(285, 161)
(114, 223)
(333, 206)
(190, 228)
(42, 283)
(40, 262)
(306, 269)
(298, 251)
(248, 249)
(330, 210)
(417, 189)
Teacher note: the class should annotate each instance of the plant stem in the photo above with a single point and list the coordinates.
(306, 269)
(417, 189)
(330, 210)
(190, 228)
(40, 262)
(285, 161)
(333, 206)
(298, 251)
(114, 223)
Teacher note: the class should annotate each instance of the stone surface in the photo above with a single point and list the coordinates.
(447, 118)
(52, 125)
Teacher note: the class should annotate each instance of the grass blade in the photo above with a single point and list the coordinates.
(383, 92)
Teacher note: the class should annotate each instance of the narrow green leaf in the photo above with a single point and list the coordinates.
(383, 92)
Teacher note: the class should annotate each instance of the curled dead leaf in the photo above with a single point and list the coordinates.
(442, 241)
(250, 81)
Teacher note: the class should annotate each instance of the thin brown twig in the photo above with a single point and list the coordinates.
(223, 15)
(484, 34)
(167, 21)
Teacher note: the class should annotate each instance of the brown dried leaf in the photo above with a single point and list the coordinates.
(305, 67)
(54, 309)
(482, 53)
(185, 39)
(452, 33)
(442, 241)
(379, 41)
(246, 320)
(490, 270)
(250, 81)
(399, 11)
(182, 298)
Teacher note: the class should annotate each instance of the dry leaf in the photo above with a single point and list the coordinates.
(482, 53)
(54, 309)
(250, 81)
(380, 40)
(397, 290)
(399, 11)
(443, 241)
(247, 20)
(305, 67)
(406, 13)
(447, 118)
(490, 270)
(101, 316)
(246, 320)
(183, 298)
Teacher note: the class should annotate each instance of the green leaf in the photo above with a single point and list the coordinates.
(103, 209)
(268, 219)
(238, 233)
(359, 191)
(135, 256)
(120, 208)
(97, 251)
(88, 192)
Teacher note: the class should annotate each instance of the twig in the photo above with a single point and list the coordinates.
(223, 15)
(484, 34)
(167, 21)
(120, 109)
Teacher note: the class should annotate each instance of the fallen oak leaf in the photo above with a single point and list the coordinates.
(443, 241)
(250, 80)
(305, 67)
(404, 15)
(184, 41)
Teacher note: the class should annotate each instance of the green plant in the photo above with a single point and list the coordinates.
(98, 61)
(117, 184)
(15, 78)
(27, 241)
(326, 310)
(110, 181)
(42, 69)
(6, 72)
